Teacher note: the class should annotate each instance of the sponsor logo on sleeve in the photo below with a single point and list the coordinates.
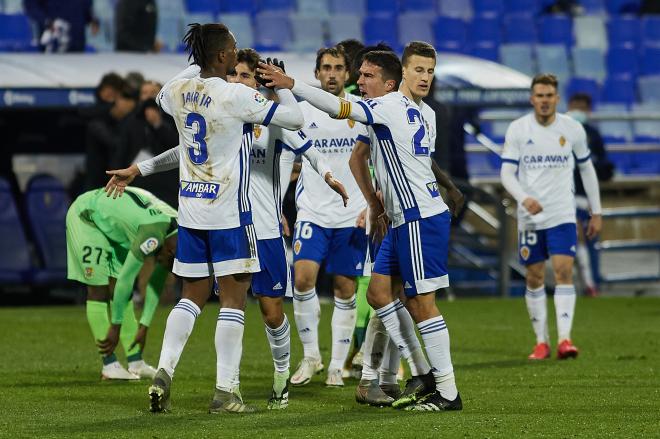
(149, 246)
(260, 99)
(199, 189)
(433, 189)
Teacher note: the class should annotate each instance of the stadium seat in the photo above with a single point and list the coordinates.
(614, 131)
(15, 33)
(650, 29)
(197, 17)
(646, 131)
(622, 61)
(615, 7)
(382, 7)
(649, 88)
(168, 7)
(313, 8)
(307, 33)
(519, 57)
(582, 85)
(449, 33)
(485, 29)
(529, 7)
(272, 31)
(590, 32)
(556, 29)
(415, 27)
(235, 7)
(553, 58)
(241, 25)
(623, 31)
(344, 26)
(15, 265)
(47, 203)
(348, 7)
(379, 28)
(484, 51)
(593, 7)
(650, 60)
(104, 9)
(428, 6)
(203, 6)
(455, 8)
(488, 8)
(618, 90)
(13, 7)
(589, 63)
(519, 28)
(280, 6)
(170, 32)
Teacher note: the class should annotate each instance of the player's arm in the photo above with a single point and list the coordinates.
(590, 183)
(163, 99)
(510, 158)
(321, 167)
(152, 297)
(359, 164)
(121, 178)
(456, 198)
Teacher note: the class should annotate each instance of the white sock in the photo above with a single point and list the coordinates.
(343, 324)
(436, 341)
(401, 328)
(280, 345)
(584, 264)
(307, 312)
(565, 309)
(375, 342)
(229, 347)
(538, 312)
(389, 367)
(179, 325)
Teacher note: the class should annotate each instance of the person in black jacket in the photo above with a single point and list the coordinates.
(135, 22)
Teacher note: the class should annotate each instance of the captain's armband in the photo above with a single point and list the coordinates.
(344, 109)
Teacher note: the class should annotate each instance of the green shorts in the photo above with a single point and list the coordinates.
(91, 258)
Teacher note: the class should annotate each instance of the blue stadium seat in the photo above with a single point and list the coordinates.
(484, 51)
(348, 7)
(415, 27)
(170, 31)
(649, 89)
(623, 31)
(428, 6)
(615, 131)
(651, 29)
(344, 26)
(377, 28)
(47, 203)
(243, 6)
(593, 7)
(622, 61)
(485, 29)
(15, 33)
(616, 7)
(519, 28)
(313, 8)
(646, 131)
(519, 57)
(589, 63)
(197, 17)
(272, 31)
(618, 90)
(241, 25)
(553, 58)
(590, 31)
(488, 8)
(529, 7)
(582, 85)
(15, 266)
(166, 7)
(382, 7)
(306, 32)
(203, 6)
(455, 8)
(650, 60)
(13, 7)
(449, 33)
(556, 29)
(276, 6)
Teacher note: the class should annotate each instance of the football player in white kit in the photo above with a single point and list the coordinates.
(216, 234)
(544, 147)
(326, 231)
(414, 250)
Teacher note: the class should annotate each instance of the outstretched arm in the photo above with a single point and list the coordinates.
(321, 167)
(121, 178)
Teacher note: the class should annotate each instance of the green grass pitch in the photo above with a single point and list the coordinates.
(50, 387)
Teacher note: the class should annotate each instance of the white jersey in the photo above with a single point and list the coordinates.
(265, 182)
(402, 136)
(214, 119)
(546, 156)
(335, 139)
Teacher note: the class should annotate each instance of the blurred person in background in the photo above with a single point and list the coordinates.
(135, 24)
(61, 23)
(351, 48)
(579, 108)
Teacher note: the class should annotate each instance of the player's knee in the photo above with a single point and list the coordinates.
(377, 299)
(98, 293)
(564, 275)
(304, 281)
(534, 279)
(273, 319)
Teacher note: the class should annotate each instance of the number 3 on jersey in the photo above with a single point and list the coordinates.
(414, 115)
(198, 152)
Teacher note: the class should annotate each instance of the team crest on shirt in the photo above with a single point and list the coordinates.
(524, 252)
(257, 131)
(296, 246)
(259, 98)
(351, 123)
(89, 272)
(562, 141)
(149, 245)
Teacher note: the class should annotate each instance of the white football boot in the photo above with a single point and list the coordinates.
(141, 369)
(306, 369)
(334, 378)
(115, 371)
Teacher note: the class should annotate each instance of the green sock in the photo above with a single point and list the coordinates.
(99, 323)
(129, 328)
(363, 310)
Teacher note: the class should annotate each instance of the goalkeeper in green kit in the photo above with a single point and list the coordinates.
(108, 241)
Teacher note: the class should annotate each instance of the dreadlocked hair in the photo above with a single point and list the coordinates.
(203, 41)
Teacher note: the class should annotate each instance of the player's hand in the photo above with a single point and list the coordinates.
(120, 179)
(272, 76)
(336, 186)
(140, 338)
(378, 221)
(532, 206)
(455, 201)
(362, 219)
(286, 230)
(595, 225)
(107, 346)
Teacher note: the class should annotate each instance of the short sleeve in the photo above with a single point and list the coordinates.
(163, 99)
(580, 145)
(148, 240)
(511, 150)
(296, 141)
(251, 106)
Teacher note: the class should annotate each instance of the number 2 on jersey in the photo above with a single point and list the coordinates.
(418, 149)
(198, 152)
